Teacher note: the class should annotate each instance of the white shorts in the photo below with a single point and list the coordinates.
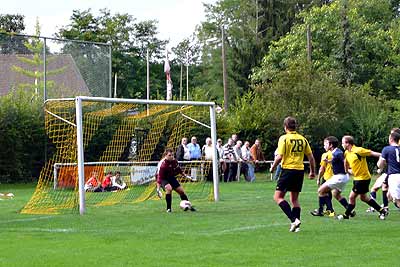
(338, 182)
(394, 186)
(379, 181)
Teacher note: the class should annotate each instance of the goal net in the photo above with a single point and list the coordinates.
(91, 136)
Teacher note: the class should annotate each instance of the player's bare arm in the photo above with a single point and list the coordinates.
(277, 160)
(375, 154)
(320, 175)
(312, 166)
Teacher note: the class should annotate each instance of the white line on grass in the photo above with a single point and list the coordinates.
(242, 229)
(137, 231)
(71, 230)
(26, 219)
(47, 230)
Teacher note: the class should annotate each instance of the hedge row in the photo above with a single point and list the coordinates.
(22, 137)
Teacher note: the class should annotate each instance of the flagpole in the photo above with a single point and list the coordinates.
(115, 85)
(180, 85)
(148, 80)
(167, 70)
(187, 76)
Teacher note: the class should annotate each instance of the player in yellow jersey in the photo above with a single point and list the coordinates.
(291, 150)
(324, 173)
(355, 159)
(336, 182)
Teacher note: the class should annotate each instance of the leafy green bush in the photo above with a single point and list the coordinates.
(321, 106)
(371, 40)
(22, 137)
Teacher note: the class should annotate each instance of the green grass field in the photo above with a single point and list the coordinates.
(245, 228)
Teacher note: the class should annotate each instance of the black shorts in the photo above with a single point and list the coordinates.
(172, 181)
(361, 186)
(290, 180)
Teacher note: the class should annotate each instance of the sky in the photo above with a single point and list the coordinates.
(177, 18)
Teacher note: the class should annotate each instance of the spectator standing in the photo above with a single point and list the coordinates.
(194, 149)
(220, 154)
(278, 168)
(220, 148)
(208, 152)
(229, 157)
(256, 152)
(248, 160)
(182, 152)
(242, 167)
(208, 149)
(234, 138)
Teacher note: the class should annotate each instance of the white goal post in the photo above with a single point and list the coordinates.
(79, 100)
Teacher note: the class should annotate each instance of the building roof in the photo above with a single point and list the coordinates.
(68, 81)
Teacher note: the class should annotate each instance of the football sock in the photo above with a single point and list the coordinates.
(184, 197)
(373, 194)
(168, 199)
(321, 203)
(296, 212)
(373, 204)
(344, 202)
(330, 194)
(284, 205)
(385, 199)
(328, 202)
(349, 209)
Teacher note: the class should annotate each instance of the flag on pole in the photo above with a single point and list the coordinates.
(167, 70)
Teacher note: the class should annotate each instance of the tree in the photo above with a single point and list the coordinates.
(187, 53)
(250, 27)
(395, 5)
(35, 48)
(9, 42)
(359, 46)
(129, 42)
(346, 74)
(321, 105)
(145, 39)
(12, 23)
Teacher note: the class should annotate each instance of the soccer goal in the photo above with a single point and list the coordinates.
(97, 136)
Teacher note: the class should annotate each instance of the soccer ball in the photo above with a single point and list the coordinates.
(185, 204)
